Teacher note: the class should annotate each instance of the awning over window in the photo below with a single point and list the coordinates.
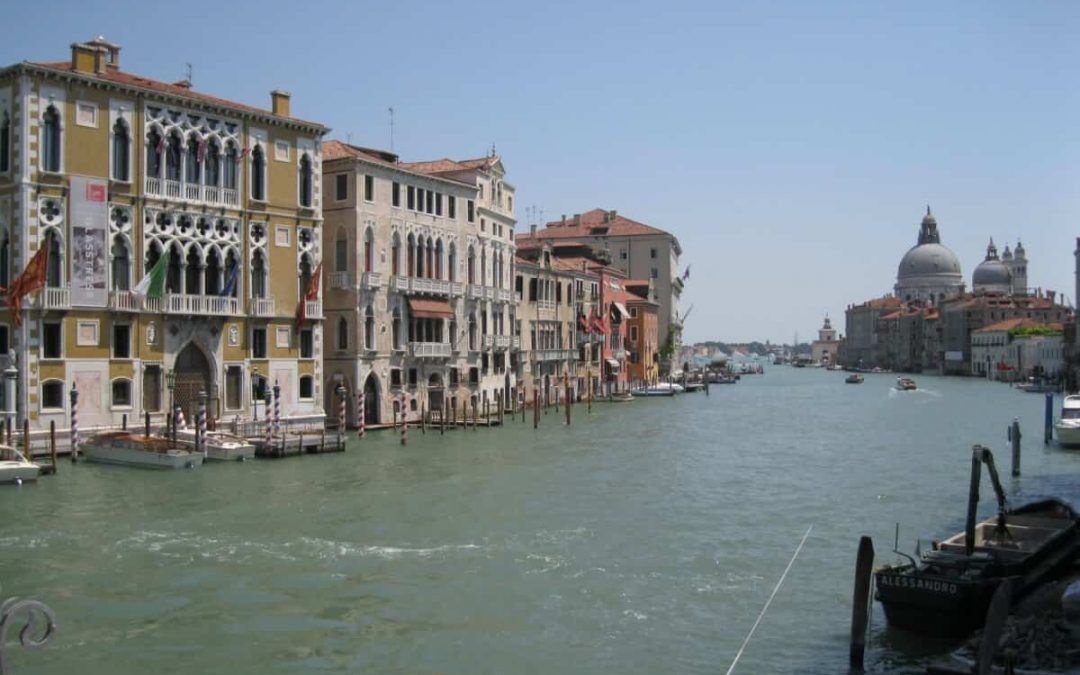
(613, 363)
(622, 309)
(422, 308)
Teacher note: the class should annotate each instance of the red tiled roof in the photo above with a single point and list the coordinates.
(446, 165)
(335, 149)
(590, 224)
(138, 82)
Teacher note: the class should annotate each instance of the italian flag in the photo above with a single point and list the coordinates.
(153, 284)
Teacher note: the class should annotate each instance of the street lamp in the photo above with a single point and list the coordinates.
(254, 394)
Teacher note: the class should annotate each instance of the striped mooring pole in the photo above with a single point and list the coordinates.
(360, 413)
(74, 423)
(268, 421)
(202, 423)
(277, 408)
(404, 420)
(341, 410)
(181, 423)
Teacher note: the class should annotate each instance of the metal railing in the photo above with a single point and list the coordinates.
(342, 280)
(502, 341)
(546, 304)
(430, 349)
(123, 301)
(433, 286)
(515, 342)
(487, 341)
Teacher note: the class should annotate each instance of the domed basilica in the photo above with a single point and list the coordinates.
(930, 272)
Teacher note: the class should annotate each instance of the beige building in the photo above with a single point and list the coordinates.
(110, 170)
(418, 287)
(826, 348)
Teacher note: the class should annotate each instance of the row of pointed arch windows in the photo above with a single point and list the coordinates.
(195, 161)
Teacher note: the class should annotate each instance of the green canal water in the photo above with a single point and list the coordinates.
(644, 539)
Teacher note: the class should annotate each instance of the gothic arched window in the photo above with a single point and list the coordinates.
(258, 275)
(194, 166)
(121, 265)
(55, 268)
(50, 140)
(154, 148)
(121, 152)
(212, 161)
(258, 174)
(306, 181)
(343, 334)
(369, 328)
(230, 169)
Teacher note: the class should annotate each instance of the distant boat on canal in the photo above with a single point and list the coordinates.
(127, 449)
(1067, 428)
(220, 446)
(854, 378)
(905, 384)
(658, 389)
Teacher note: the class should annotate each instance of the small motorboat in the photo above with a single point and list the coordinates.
(15, 468)
(905, 384)
(1033, 386)
(660, 389)
(121, 447)
(220, 446)
(692, 387)
(854, 378)
(1067, 429)
(947, 591)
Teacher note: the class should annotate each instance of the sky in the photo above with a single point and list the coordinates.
(792, 147)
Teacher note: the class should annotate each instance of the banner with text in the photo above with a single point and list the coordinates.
(89, 248)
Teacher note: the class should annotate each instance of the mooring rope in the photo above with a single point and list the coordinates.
(768, 602)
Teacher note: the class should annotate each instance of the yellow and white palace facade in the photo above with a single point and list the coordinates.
(112, 170)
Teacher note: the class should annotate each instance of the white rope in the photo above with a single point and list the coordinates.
(768, 602)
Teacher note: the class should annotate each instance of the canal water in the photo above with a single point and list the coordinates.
(643, 539)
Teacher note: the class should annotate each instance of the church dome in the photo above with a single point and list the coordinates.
(929, 270)
(992, 274)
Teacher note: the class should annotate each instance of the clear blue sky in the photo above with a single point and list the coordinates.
(791, 146)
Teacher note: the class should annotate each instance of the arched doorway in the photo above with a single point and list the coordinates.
(193, 375)
(371, 400)
(436, 393)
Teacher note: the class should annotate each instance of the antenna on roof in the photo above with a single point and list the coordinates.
(492, 149)
(348, 137)
(188, 69)
(391, 109)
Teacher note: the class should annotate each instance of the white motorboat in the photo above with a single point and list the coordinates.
(659, 389)
(14, 468)
(121, 447)
(220, 446)
(1067, 428)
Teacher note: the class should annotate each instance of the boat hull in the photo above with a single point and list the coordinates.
(933, 605)
(14, 471)
(140, 458)
(1068, 435)
(220, 447)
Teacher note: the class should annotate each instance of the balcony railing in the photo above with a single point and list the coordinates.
(474, 292)
(433, 286)
(489, 293)
(193, 305)
(456, 289)
(313, 309)
(515, 342)
(261, 307)
(370, 280)
(546, 304)
(399, 283)
(502, 342)
(123, 301)
(487, 341)
(54, 298)
(503, 294)
(192, 192)
(342, 280)
(430, 349)
(553, 354)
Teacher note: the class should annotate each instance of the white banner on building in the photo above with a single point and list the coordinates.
(89, 248)
(954, 356)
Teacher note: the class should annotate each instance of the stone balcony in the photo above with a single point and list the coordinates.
(193, 305)
(503, 295)
(261, 307)
(313, 309)
(123, 301)
(487, 341)
(53, 298)
(370, 280)
(502, 341)
(175, 190)
(515, 342)
(553, 354)
(429, 286)
(430, 350)
(474, 292)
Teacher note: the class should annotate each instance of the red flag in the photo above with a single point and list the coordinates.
(583, 323)
(32, 279)
(311, 294)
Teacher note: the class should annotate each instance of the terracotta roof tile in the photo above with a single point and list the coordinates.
(592, 223)
(136, 81)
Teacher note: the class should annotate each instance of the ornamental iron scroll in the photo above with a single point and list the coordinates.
(35, 613)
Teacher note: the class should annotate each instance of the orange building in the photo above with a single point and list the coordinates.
(642, 340)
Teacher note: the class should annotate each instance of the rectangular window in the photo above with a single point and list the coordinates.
(451, 206)
(307, 344)
(151, 388)
(52, 343)
(121, 341)
(430, 202)
(395, 377)
(410, 193)
(234, 383)
(342, 184)
(52, 395)
(307, 387)
(412, 377)
(654, 273)
(633, 333)
(633, 312)
(652, 253)
(121, 393)
(454, 377)
(483, 225)
(622, 254)
(438, 203)
(470, 211)
(395, 194)
(369, 188)
(258, 343)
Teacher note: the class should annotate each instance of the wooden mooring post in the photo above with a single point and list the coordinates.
(860, 604)
(1048, 419)
(423, 418)
(536, 409)
(1014, 438)
(569, 398)
(147, 425)
(442, 419)
(26, 439)
(52, 443)
(123, 422)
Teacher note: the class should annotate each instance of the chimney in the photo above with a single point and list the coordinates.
(1051, 294)
(577, 219)
(611, 214)
(84, 58)
(1077, 239)
(279, 102)
(112, 51)
(532, 230)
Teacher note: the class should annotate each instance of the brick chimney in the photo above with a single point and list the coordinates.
(87, 58)
(183, 84)
(279, 102)
(112, 51)
(577, 219)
